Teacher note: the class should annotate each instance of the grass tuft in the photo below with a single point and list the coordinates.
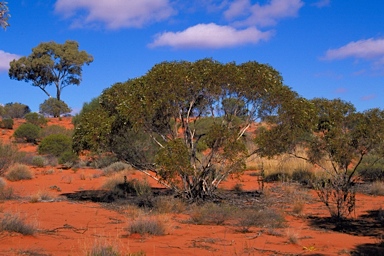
(13, 222)
(19, 172)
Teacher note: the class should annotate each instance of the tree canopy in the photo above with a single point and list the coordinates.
(332, 135)
(185, 121)
(4, 14)
(51, 63)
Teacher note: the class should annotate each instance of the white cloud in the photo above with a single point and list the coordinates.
(322, 3)
(210, 36)
(370, 49)
(5, 59)
(263, 15)
(238, 8)
(115, 13)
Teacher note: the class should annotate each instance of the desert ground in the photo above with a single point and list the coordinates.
(66, 224)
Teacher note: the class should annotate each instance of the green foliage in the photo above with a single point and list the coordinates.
(186, 121)
(55, 129)
(6, 123)
(4, 15)
(55, 144)
(303, 176)
(51, 63)
(36, 119)
(19, 172)
(38, 161)
(54, 107)
(15, 110)
(68, 157)
(27, 132)
(330, 131)
(372, 168)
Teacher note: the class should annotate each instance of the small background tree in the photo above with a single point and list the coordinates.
(54, 107)
(51, 63)
(15, 110)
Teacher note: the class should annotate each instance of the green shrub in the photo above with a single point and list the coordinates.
(38, 161)
(9, 155)
(7, 123)
(19, 172)
(36, 119)
(27, 132)
(149, 226)
(68, 157)
(55, 129)
(54, 107)
(55, 144)
(12, 222)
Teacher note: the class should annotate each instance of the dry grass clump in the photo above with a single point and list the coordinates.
(293, 237)
(6, 193)
(211, 213)
(41, 196)
(147, 226)
(376, 188)
(264, 218)
(13, 222)
(169, 204)
(103, 250)
(19, 172)
(116, 167)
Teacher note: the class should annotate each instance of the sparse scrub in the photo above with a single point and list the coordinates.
(103, 250)
(293, 237)
(115, 167)
(13, 222)
(376, 188)
(9, 155)
(68, 158)
(6, 193)
(169, 204)
(150, 226)
(298, 207)
(264, 218)
(278, 176)
(211, 213)
(19, 172)
(303, 176)
(102, 161)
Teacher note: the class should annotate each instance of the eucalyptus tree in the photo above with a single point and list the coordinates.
(4, 14)
(332, 135)
(51, 63)
(185, 123)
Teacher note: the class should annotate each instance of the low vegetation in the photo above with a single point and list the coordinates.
(13, 222)
(19, 172)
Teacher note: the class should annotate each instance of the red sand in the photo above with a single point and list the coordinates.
(74, 228)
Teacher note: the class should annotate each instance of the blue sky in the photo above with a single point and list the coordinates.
(322, 48)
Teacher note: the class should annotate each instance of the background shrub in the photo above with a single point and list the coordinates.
(55, 129)
(68, 157)
(19, 172)
(54, 107)
(38, 161)
(27, 132)
(303, 176)
(15, 110)
(9, 155)
(6, 123)
(55, 144)
(36, 119)
(115, 167)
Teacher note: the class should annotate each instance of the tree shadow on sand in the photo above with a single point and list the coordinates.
(370, 224)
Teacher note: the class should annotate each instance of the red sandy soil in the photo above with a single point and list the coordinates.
(74, 228)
